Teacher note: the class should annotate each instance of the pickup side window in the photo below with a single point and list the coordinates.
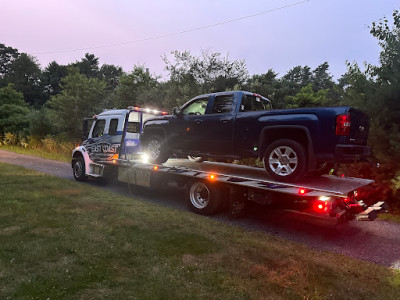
(113, 127)
(197, 107)
(98, 129)
(222, 104)
(253, 103)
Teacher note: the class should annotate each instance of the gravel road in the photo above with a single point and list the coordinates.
(377, 241)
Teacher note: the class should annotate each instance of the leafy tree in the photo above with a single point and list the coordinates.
(387, 80)
(110, 74)
(131, 86)
(321, 79)
(267, 85)
(89, 65)
(296, 78)
(52, 76)
(40, 124)
(13, 111)
(207, 73)
(300, 77)
(155, 97)
(7, 56)
(25, 74)
(377, 91)
(307, 97)
(80, 97)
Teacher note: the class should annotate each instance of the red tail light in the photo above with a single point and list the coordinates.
(302, 191)
(322, 204)
(343, 124)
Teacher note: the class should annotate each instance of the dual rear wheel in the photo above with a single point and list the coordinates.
(203, 197)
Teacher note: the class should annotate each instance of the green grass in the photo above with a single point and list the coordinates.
(38, 152)
(64, 240)
(394, 216)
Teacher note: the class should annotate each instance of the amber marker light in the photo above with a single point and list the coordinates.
(212, 176)
(155, 168)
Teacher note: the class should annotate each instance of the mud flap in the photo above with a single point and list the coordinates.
(237, 202)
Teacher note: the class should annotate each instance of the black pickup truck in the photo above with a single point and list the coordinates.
(238, 124)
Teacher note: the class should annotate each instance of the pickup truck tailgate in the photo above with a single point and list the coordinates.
(359, 127)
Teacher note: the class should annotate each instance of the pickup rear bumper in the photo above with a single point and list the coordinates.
(350, 153)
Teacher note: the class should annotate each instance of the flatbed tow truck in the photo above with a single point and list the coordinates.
(211, 186)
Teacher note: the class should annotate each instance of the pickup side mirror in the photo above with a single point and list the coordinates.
(176, 111)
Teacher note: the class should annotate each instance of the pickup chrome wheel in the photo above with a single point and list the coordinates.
(203, 198)
(285, 160)
(155, 149)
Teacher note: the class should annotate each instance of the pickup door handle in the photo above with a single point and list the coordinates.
(226, 120)
(198, 121)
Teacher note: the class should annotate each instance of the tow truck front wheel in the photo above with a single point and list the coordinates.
(285, 160)
(79, 169)
(156, 149)
(203, 198)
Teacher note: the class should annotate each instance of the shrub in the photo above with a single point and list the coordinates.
(49, 144)
(383, 189)
(10, 139)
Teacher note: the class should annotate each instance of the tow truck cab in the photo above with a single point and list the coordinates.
(113, 134)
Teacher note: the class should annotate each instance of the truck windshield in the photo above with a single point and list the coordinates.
(254, 103)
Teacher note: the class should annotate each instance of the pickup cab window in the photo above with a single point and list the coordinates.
(197, 107)
(223, 104)
(253, 103)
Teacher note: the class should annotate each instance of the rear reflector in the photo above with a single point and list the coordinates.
(343, 124)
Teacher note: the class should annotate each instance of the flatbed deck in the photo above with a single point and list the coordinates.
(328, 183)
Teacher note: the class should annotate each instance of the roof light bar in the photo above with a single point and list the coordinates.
(147, 110)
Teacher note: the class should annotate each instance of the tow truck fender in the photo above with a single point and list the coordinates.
(81, 151)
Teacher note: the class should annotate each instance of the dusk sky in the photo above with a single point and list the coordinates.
(274, 35)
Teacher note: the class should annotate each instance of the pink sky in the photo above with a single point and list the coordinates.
(305, 34)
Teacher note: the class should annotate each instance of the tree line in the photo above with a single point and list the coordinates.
(52, 101)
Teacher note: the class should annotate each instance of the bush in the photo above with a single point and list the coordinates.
(384, 187)
(10, 139)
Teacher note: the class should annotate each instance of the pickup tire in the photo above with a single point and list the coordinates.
(79, 169)
(203, 198)
(156, 149)
(285, 160)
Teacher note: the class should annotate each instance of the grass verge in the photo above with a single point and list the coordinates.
(394, 217)
(38, 152)
(65, 240)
